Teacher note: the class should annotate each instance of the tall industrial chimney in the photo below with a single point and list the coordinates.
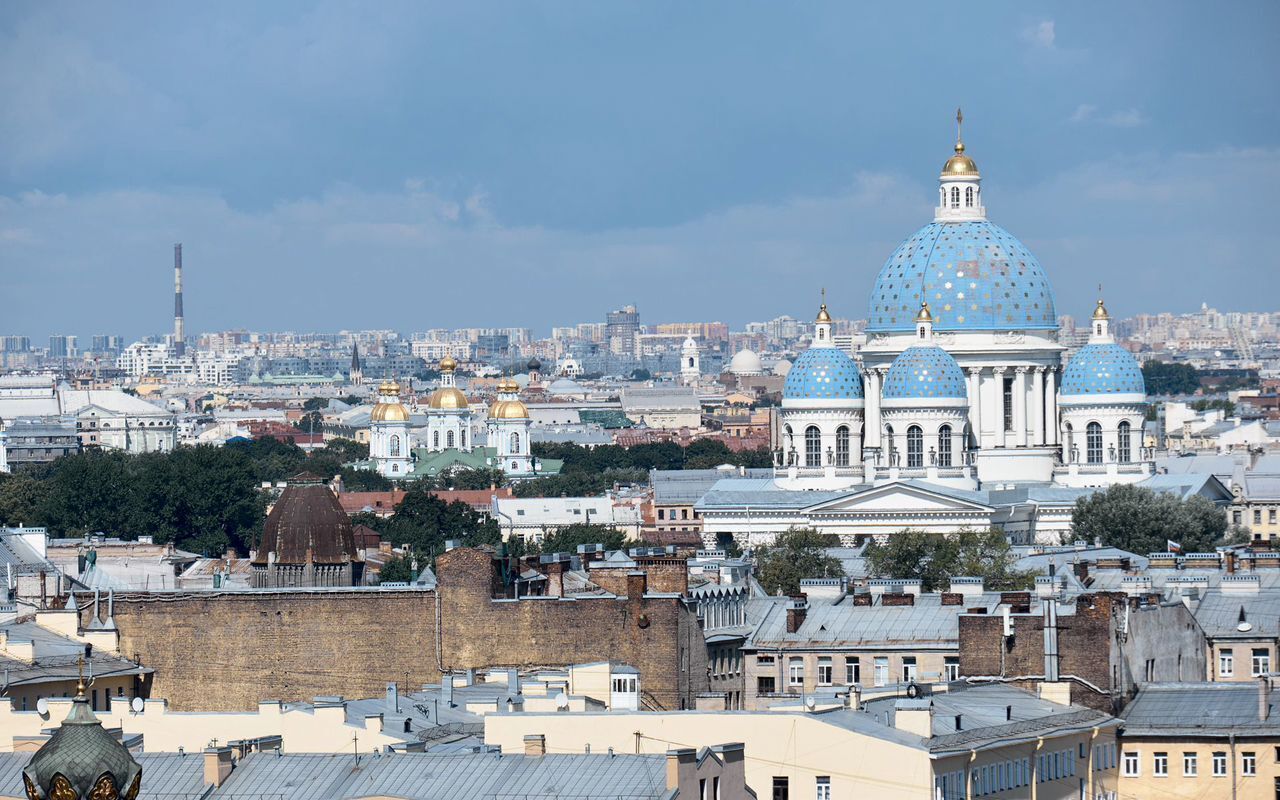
(179, 334)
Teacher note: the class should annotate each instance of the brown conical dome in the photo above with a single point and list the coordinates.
(307, 519)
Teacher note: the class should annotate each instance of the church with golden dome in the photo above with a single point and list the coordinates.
(389, 442)
(448, 413)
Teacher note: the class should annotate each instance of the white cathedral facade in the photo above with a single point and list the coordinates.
(958, 411)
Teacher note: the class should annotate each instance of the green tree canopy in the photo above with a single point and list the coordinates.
(935, 558)
(1162, 377)
(424, 522)
(397, 569)
(567, 539)
(1142, 521)
(796, 554)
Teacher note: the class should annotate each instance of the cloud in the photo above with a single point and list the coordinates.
(1042, 34)
(1124, 118)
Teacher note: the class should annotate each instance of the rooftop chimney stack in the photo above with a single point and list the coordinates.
(179, 332)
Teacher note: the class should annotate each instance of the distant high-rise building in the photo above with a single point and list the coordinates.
(15, 344)
(179, 331)
(621, 328)
(57, 346)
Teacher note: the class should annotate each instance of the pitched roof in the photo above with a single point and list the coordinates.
(1201, 709)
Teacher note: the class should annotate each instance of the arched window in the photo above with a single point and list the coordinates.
(691, 362)
(944, 446)
(842, 446)
(968, 197)
(1123, 447)
(515, 444)
(462, 439)
(435, 439)
(394, 449)
(1093, 443)
(955, 196)
(812, 447)
(448, 439)
(915, 446)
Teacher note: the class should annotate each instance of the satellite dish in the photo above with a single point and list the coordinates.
(562, 700)
(42, 706)
(810, 703)
(137, 704)
(1244, 627)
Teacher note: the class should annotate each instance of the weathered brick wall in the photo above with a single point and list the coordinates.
(228, 651)
(657, 635)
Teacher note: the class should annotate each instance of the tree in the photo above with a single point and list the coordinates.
(1140, 520)
(365, 480)
(1162, 377)
(798, 553)
(578, 484)
(641, 374)
(315, 404)
(311, 422)
(473, 478)
(20, 500)
(567, 539)
(935, 558)
(424, 521)
(397, 569)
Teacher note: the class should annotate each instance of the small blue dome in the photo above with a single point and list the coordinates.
(823, 373)
(1103, 369)
(975, 275)
(924, 372)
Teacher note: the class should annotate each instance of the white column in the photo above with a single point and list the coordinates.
(1038, 411)
(998, 426)
(1020, 406)
(872, 426)
(1051, 404)
(975, 404)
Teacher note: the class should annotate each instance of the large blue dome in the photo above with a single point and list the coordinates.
(924, 372)
(1103, 369)
(975, 276)
(822, 373)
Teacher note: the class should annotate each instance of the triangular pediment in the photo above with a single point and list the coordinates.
(900, 497)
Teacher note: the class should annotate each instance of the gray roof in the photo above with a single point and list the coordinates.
(677, 486)
(1187, 485)
(15, 550)
(1219, 613)
(163, 774)
(57, 657)
(1201, 709)
(1261, 486)
(1038, 559)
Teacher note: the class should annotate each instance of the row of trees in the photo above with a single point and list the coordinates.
(204, 499)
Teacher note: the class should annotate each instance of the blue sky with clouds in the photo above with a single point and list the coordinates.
(413, 165)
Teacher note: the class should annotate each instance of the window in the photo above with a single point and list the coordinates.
(395, 446)
(1236, 518)
(1260, 664)
(842, 446)
(795, 672)
(1123, 447)
(448, 439)
(1190, 767)
(515, 443)
(1271, 517)
(955, 196)
(823, 788)
(781, 788)
(951, 668)
(824, 671)
(1257, 516)
(762, 660)
(968, 197)
(944, 446)
(765, 685)
(852, 670)
(1131, 764)
(1219, 764)
(1093, 443)
(812, 447)
(1160, 764)
(435, 439)
(1249, 764)
(1007, 387)
(908, 669)
(1226, 663)
(881, 670)
(915, 446)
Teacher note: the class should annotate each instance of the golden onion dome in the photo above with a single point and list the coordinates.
(448, 398)
(389, 387)
(960, 165)
(823, 316)
(925, 315)
(1100, 312)
(448, 364)
(389, 412)
(508, 409)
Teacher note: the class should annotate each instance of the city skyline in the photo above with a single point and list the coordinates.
(321, 183)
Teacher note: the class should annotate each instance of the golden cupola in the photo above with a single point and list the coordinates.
(959, 165)
(389, 408)
(448, 397)
(508, 405)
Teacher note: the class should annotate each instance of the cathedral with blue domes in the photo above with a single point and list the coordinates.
(962, 409)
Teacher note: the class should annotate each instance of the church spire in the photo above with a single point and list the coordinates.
(822, 325)
(960, 193)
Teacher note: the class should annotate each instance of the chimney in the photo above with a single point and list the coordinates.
(179, 331)
(1081, 570)
(637, 584)
(797, 609)
(393, 698)
(914, 716)
(682, 771)
(535, 744)
(513, 680)
(1231, 563)
(446, 690)
(1264, 698)
(217, 765)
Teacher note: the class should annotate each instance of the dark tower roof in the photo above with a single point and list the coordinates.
(81, 757)
(534, 364)
(355, 358)
(307, 520)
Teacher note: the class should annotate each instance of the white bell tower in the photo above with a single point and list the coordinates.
(690, 362)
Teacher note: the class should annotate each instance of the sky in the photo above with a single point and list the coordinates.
(411, 165)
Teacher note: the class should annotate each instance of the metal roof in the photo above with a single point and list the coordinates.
(1201, 709)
